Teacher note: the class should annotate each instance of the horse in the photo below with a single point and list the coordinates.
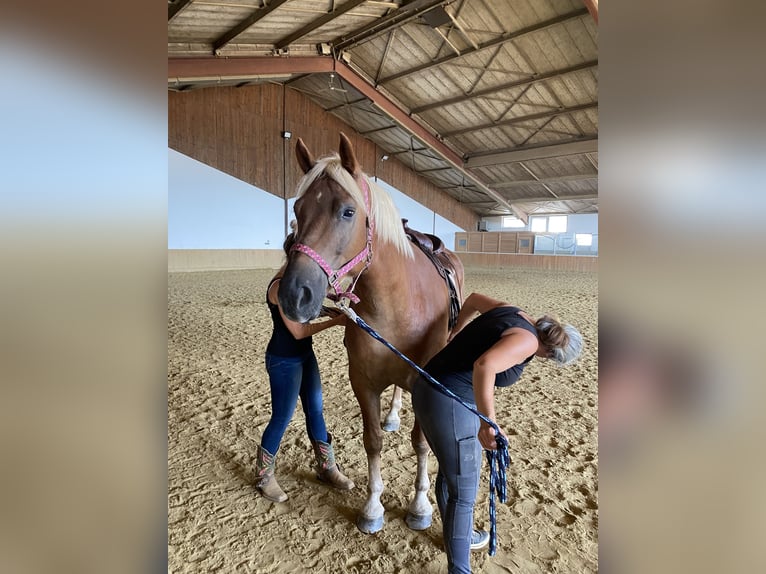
(343, 216)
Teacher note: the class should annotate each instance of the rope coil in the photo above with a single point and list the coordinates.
(498, 459)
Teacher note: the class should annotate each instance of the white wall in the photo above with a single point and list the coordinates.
(208, 209)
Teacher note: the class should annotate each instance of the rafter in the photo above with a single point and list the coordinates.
(541, 180)
(551, 200)
(318, 23)
(507, 37)
(380, 129)
(573, 147)
(391, 21)
(521, 119)
(259, 14)
(528, 81)
(176, 7)
(209, 67)
(535, 176)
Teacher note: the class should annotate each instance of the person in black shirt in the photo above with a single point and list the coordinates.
(293, 371)
(481, 354)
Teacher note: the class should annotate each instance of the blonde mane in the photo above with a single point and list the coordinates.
(383, 213)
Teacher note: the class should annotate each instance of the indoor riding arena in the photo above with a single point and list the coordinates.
(479, 120)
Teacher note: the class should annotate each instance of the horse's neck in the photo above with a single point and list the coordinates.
(385, 286)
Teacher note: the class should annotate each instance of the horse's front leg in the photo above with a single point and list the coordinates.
(420, 510)
(371, 518)
(391, 422)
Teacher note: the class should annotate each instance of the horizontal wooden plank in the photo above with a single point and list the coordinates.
(549, 262)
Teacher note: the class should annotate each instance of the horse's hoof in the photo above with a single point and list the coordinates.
(390, 426)
(369, 525)
(418, 521)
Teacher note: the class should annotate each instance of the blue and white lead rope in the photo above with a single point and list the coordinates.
(498, 459)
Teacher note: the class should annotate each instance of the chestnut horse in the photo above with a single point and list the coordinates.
(349, 231)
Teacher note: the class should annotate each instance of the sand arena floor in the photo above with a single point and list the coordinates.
(218, 404)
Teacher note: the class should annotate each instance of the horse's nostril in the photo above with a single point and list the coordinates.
(304, 297)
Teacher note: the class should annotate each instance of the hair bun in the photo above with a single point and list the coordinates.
(564, 341)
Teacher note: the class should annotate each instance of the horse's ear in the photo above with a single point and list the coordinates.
(305, 159)
(347, 157)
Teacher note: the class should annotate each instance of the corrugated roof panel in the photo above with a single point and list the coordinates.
(522, 192)
(367, 56)
(410, 50)
(504, 172)
(580, 187)
(294, 15)
(203, 23)
(566, 165)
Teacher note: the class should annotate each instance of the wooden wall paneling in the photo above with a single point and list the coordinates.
(490, 242)
(525, 242)
(508, 242)
(547, 262)
(234, 130)
(475, 241)
(461, 241)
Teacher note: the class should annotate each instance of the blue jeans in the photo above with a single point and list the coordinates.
(451, 432)
(290, 377)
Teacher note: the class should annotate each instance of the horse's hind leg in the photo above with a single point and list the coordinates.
(391, 423)
(371, 518)
(420, 510)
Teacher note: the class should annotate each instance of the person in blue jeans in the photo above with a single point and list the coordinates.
(293, 372)
(481, 354)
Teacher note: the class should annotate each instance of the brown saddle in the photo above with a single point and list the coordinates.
(425, 241)
(433, 247)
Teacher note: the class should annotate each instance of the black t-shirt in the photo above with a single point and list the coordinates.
(453, 365)
(282, 342)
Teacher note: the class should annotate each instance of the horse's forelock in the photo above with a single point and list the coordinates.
(383, 212)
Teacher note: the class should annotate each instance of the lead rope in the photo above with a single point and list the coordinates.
(498, 459)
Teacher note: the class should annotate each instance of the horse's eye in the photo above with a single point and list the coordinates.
(348, 213)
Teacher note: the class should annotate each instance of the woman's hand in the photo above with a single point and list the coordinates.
(486, 436)
(330, 312)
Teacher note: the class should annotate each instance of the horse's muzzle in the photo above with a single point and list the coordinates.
(302, 290)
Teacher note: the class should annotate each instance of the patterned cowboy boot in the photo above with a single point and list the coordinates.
(267, 483)
(327, 469)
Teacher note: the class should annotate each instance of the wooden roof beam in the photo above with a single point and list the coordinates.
(318, 23)
(521, 119)
(176, 7)
(555, 200)
(382, 25)
(188, 69)
(557, 179)
(572, 147)
(533, 79)
(259, 14)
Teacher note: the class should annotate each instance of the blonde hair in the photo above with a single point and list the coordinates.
(563, 342)
(383, 214)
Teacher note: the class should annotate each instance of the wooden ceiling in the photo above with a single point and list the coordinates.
(493, 101)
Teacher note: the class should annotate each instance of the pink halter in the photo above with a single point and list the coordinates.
(334, 277)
